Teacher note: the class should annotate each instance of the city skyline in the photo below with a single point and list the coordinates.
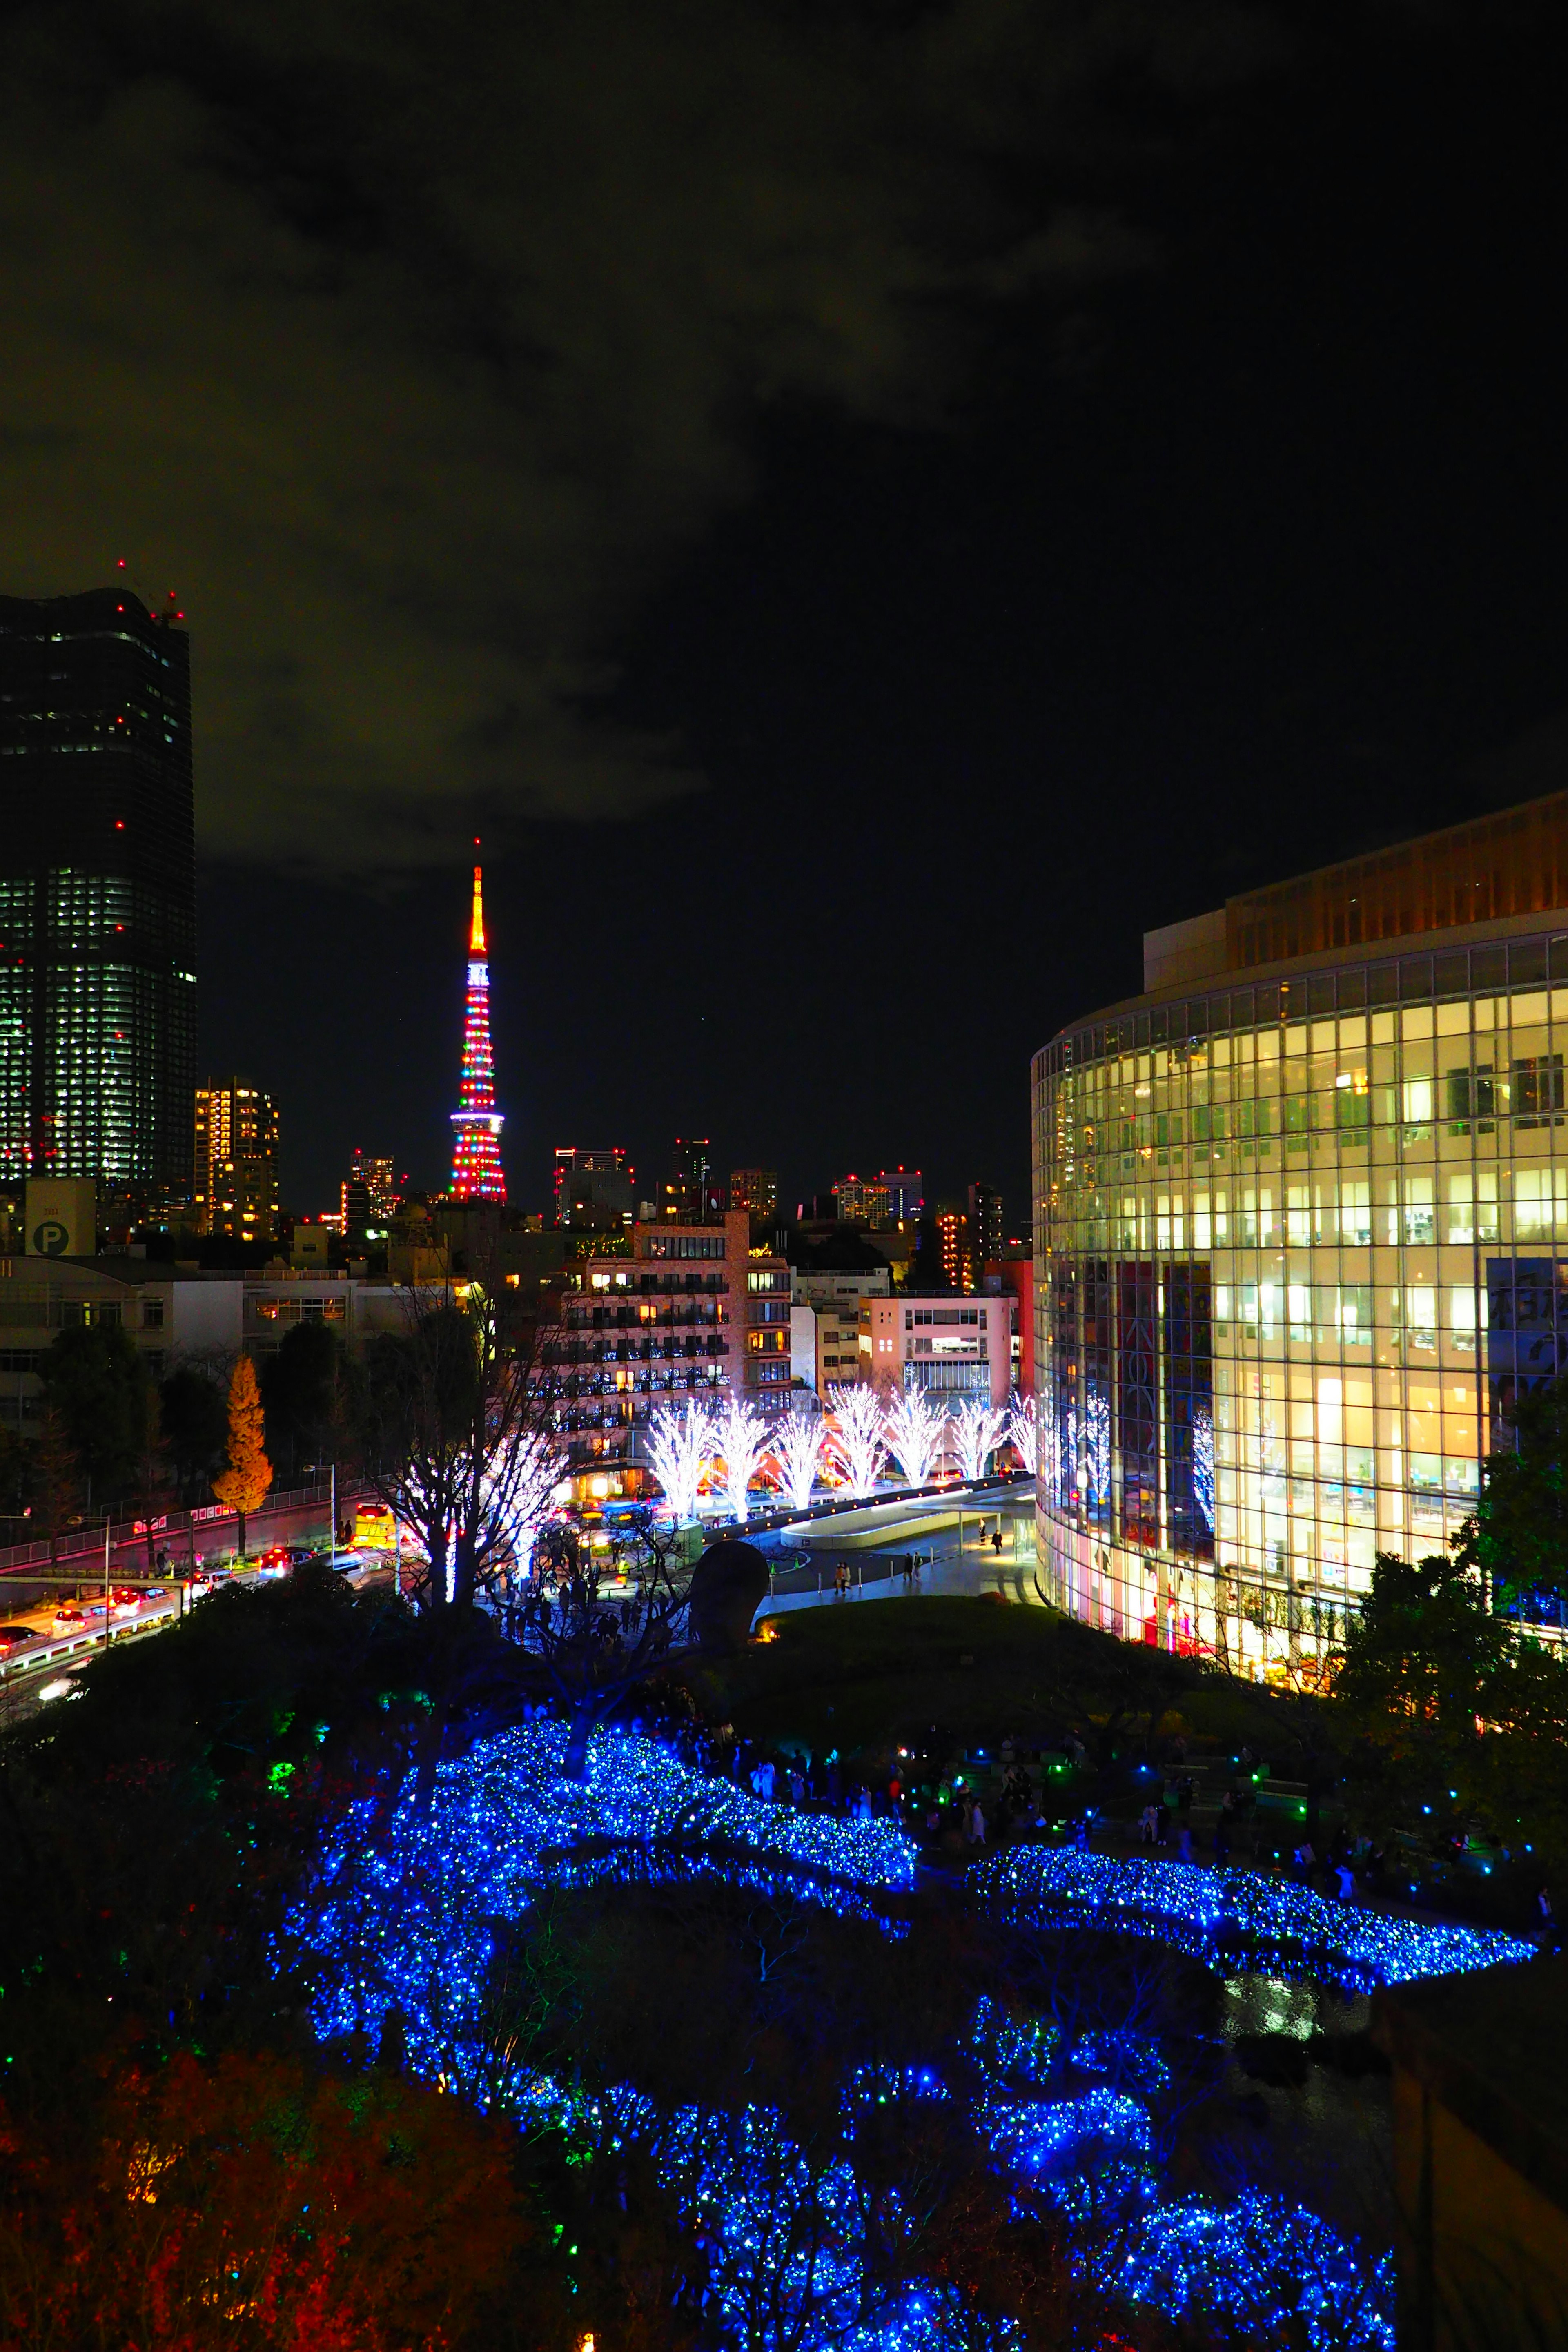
(1151, 556)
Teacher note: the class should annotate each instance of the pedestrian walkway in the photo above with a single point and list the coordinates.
(942, 1566)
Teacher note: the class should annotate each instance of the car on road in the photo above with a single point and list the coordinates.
(13, 1636)
(70, 1613)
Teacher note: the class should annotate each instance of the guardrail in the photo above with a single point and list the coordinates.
(205, 1519)
(946, 1490)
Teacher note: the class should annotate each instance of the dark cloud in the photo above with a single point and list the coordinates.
(411, 343)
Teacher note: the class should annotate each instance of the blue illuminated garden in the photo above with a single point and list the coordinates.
(813, 2238)
(852, 1989)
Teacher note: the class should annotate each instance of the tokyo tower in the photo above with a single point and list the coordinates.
(477, 1172)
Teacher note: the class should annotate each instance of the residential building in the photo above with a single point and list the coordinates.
(953, 1347)
(236, 1183)
(380, 1184)
(802, 1364)
(1301, 1227)
(172, 1312)
(837, 1344)
(694, 1315)
(955, 1243)
(593, 1188)
(97, 983)
(857, 1202)
(985, 1222)
(1014, 1272)
(755, 1189)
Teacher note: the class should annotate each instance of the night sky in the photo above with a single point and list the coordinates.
(866, 509)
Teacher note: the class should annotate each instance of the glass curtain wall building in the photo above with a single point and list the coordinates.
(97, 892)
(1301, 1236)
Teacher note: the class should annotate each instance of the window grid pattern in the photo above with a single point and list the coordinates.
(1292, 1274)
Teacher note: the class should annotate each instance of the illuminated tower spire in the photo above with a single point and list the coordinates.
(477, 1172)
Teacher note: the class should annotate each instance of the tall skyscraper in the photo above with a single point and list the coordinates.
(477, 1172)
(98, 985)
(235, 1190)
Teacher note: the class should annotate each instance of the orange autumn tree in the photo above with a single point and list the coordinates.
(244, 1485)
(259, 2204)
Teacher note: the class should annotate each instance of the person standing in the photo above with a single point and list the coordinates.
(1224, 1824)
(1548, 1923)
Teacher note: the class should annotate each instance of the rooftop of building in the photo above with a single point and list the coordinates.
(1493, 879)
(1512, 861)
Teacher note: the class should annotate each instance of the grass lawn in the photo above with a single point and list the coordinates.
(868, 1676)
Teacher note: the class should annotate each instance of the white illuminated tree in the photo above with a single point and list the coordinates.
(914, 1431)
(798, 1446)
(739, 1438)
(1023, 1430)
(681, 1444)
(857, 1443)
(521, 1491)
(976, 1433)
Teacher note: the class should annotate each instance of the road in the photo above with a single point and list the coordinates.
(38, 1671)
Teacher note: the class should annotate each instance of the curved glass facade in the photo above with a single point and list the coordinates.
(1296, 1244)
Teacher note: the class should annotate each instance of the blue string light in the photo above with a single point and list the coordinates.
(410, 1915)
(1262, 2264)
(1235, 1917)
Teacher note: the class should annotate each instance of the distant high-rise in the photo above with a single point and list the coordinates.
(477, 1172)
(593, 1188)
(955, 1240)
(379, 1181)
(690, 1195)
(98, 985)
(905, 1187)
(862, 1204)
(755, 1189)
(235, 1190)
(985, 1222)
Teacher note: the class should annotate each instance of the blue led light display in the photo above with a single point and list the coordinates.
(1229, 1917)
(409, 1916)
(1269, 2269)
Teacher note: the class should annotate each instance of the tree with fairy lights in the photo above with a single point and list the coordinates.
(680, 1445)
(976, 1429)
(740, 1442)
(590, 1649)
(1022, 1432)
(456, 1437)
(859, 1448)
(798, 1447)
(914, 1432)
